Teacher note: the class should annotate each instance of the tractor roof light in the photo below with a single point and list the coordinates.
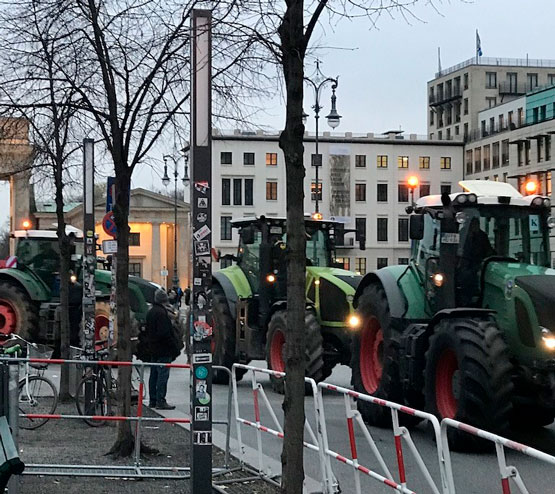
(531, 186)
(412, 182)
(461, 199)
(548, 339)
(472, 198)
(26, 224)
(317, 216)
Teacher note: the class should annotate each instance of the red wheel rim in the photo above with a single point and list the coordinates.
(276, 351)
(446, 368)
(371, 355)
(101, 324)
(8, 318)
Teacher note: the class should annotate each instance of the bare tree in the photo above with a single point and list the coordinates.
(29, 89)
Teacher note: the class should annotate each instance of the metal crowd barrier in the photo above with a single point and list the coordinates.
(124, 471)
(507, 472)
(258, 393)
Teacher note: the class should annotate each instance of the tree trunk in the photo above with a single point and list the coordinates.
(124, 442)
(291, 142)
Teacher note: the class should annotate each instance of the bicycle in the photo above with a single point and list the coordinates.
(36, 393)
(103, 389)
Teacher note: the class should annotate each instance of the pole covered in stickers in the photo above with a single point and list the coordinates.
(201, 324)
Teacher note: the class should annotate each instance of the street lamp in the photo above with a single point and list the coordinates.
(166, 181)
(318, 84)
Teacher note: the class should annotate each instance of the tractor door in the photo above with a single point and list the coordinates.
(426, 258)
(248, 258)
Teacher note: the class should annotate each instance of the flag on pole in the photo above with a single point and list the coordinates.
(478, 45)
(438, 60)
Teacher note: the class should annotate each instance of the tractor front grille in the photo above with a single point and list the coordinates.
(333, 302)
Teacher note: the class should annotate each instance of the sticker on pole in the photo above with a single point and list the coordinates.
(202, 438)
(202, 248)
(109, 224)
(201, 393)
(109, 246)
(202, 358)
(201, 233)
(202, 414)
(202, 330)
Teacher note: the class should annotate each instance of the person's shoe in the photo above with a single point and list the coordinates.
(152, 404)
(165, 406)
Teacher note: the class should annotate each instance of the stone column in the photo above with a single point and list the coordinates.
(156, 265)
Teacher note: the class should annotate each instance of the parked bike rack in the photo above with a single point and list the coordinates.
(400, 434)
(132, 471)
(507, 472)
(276, 430)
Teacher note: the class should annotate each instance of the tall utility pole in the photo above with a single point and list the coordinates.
(318, 82)
(201, 356)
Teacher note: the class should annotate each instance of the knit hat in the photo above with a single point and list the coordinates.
(160, 297)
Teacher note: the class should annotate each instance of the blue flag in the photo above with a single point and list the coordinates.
(478, 45)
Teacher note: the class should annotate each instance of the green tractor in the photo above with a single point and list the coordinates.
(467, 329)
(30, 286)
(250, 300)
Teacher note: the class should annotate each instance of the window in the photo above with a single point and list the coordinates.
(360, 192)
(271, 159)
(465, 106)
(491, 101)
(505, 177)
(313, 190)
(492, 125)
(446, 188)
(136, 269)
(432, 113)
(468, 161)
(248, 159)
(360, 227)
(134, 239)
(527, 146)
(403, 261)
(249, 192)
(225, 263)
(424, 162)
(382, 229)
(520, 117)
(424, 189)
(226, 191)
(532, 81)
(225, 228)
(547, 148)
(316, 159)
(237, 191)
(495, 155)
(550, 79)
(465, 80)
(402, 162)
(501, 122)
(403, 229)
(505, 152)
(519, 153)
(360, 161)
(465, 137)
(512, 79)
(402, 193)
(457, 130)
(477, 160)
(487, 156)
(271, 191)
(382, 161)
(226, 158)
(445, 162)
(344, 262)
(457, 81)
(382, 262)
(448, 136)
(491, 80)
(543, 112)
(382, 193)
(539, 150)
(511, 119)
(360, 265)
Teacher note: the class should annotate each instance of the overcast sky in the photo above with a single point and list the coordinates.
(383, 72)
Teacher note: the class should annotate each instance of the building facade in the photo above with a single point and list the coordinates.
(458, 94)
(362, 182)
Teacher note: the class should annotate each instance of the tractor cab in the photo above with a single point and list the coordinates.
(460, 237)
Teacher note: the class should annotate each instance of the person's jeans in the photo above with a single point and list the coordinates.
(158, 380)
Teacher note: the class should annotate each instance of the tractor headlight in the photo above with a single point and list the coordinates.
(73, 278)
(353, 321)
(461, 218)
(472, 198)
(548, 339)
(547, 203)
(537, 201)
(438, 279)
(551, 222)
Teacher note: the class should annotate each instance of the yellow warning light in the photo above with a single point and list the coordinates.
(531, 187)
(412, 182)
(270, 278)
(26, 224)
(317, 216)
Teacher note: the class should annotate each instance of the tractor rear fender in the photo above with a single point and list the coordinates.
(229, 290)
(395, 297)
(29, 284)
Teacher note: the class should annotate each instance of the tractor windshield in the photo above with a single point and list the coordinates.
(317, 248)
(516, 232)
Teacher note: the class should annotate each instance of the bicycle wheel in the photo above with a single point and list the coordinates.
(98, 405)
(37, 395)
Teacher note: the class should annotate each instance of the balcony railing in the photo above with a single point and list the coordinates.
(508, 87)
(511, 62)
(445, 97)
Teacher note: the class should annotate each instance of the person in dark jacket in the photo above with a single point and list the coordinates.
(161, 339)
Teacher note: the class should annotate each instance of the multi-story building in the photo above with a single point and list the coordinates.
(362, 182)
(458, 94)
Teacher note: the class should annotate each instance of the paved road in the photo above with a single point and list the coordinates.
(474, 474)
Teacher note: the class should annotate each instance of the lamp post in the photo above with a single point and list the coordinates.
(318, 83)
(166, 182)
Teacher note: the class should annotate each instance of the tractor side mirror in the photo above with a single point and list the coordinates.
(247, 235)
(416, 227)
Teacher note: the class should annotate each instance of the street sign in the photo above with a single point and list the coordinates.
(109, 224)
(164, 272)
(109, 246)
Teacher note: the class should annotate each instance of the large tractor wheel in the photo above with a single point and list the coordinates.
(314, 351)
(18, 314)
(223, 337)
(529, 417)
(375, 359)
(468, 378)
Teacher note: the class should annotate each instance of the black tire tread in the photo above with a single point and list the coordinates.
(28, 325)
